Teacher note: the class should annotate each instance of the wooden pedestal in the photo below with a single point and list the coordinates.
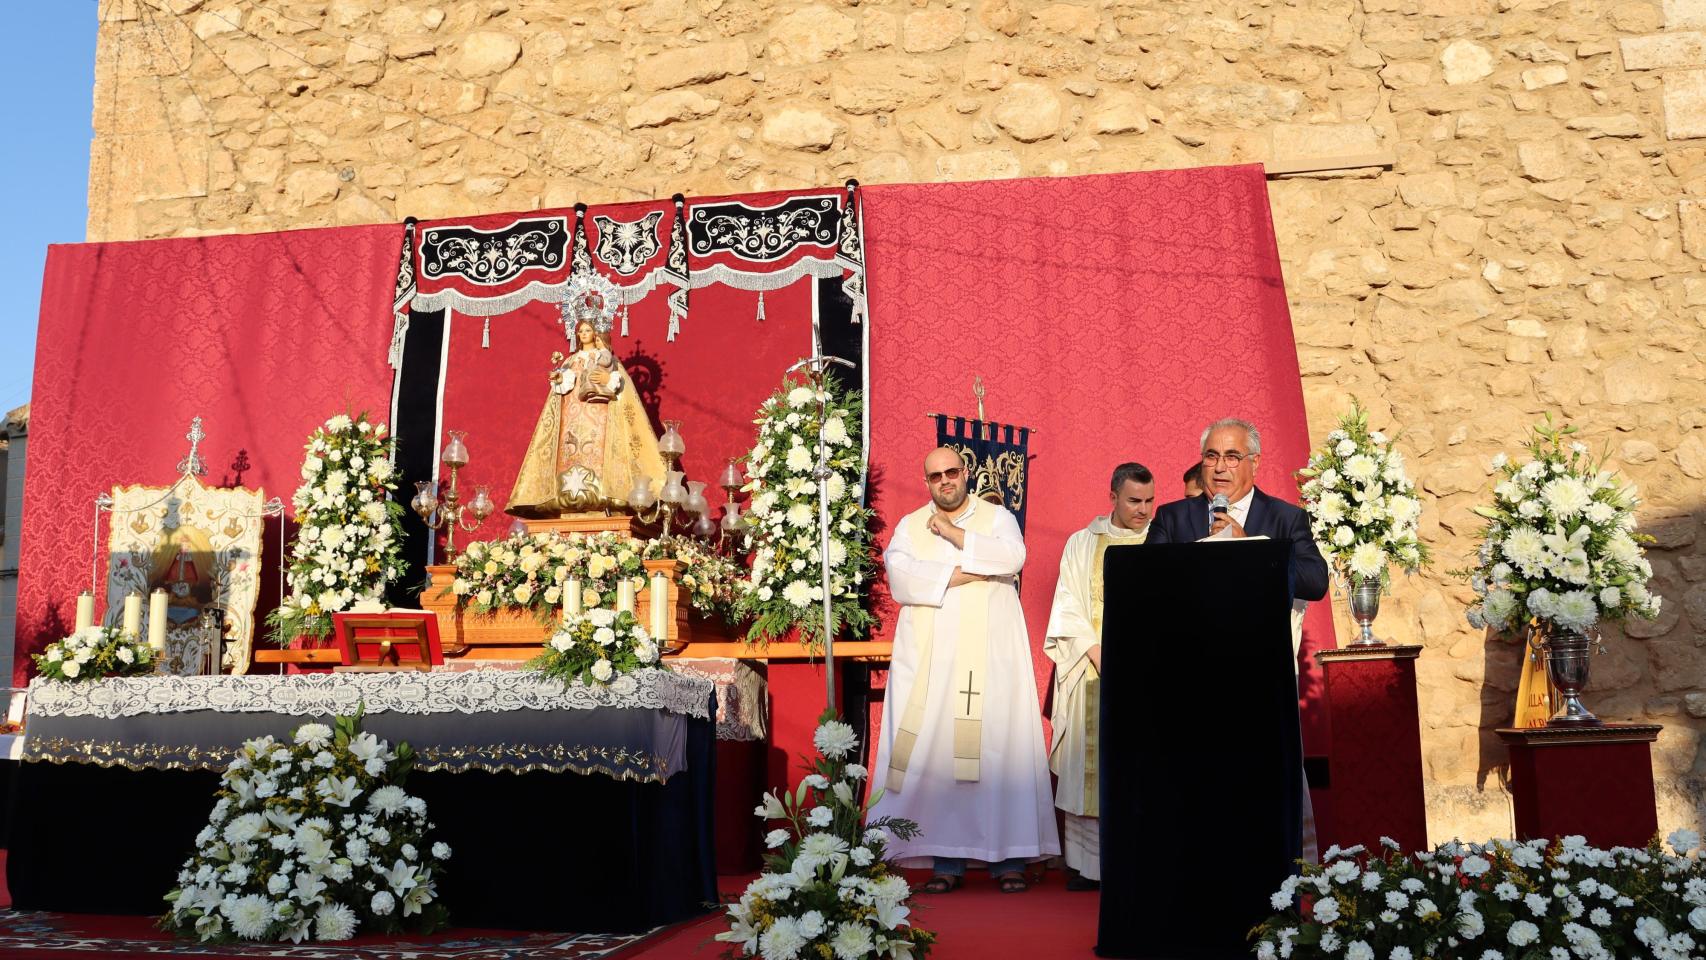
(1375, 748)
(1592, 781)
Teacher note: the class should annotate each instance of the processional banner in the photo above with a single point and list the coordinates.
(997, 459)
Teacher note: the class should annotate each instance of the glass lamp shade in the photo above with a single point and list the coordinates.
(731, 478)
(641, 497)
(671, 444)
(696, 502)
(455, 452)
(517, 528)
(674, 493)
(482, 503)
(426, 498)
(704, 527)
(731, 517)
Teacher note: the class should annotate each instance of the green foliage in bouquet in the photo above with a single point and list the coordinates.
(92, 653)
(786, 591)
(827, 889)
(312, 839)
(597, 647)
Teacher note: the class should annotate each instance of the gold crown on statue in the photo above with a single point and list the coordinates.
(590, 296)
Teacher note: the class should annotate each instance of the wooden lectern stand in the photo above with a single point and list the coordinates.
(1375, 751)
(1200, 740)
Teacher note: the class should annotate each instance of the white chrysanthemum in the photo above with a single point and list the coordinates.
(1622, 548)
(852, 941)
(783, 940)
(335, 921)
(249, 916)
(1361, 467)
(1367, 560)
(387, 800)
(800, 514)
(1499, 606)
(1522, 933)
(835, 431)
(835, 739)
(1331, 508)
(800, 396)
(1525, 549)
(314, 735)
(799, 459)
(602, 671)
(1567, 496)
(1576, 610)
(1344, 537)
(798, 593)
(1345, 447)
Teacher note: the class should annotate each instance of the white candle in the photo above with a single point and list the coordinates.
(157, 620)
(660, 608)
(625, 596)
(85, 610)
(572, 599)
(133, 616)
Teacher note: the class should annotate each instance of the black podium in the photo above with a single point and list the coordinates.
(1201, 757)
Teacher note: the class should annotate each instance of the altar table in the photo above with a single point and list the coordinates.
(568, 808)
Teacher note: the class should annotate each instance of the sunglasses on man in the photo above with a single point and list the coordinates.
(952, 473)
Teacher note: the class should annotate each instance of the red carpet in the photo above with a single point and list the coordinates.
(976, 922)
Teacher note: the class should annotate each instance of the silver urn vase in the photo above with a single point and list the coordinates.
(1365, 606)
(1567, 653)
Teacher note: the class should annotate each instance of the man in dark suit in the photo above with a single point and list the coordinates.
(1231, 451)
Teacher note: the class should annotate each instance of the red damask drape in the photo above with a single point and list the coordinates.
(1117, 315)
(261, 335)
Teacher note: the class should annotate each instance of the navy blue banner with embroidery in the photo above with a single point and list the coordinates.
(997, 455)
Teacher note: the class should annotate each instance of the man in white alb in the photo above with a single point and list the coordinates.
(961, 746)
(1074, 643)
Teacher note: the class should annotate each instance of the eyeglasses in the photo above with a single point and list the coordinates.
(952, 473)
(1231, 458)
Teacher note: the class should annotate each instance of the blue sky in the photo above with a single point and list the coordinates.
(45, 167)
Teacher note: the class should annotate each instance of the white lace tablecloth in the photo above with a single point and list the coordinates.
(634, 729)
(312, 694)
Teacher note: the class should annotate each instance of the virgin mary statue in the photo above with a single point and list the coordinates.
(593, 439)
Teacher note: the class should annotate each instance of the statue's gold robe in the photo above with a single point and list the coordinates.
(611, 438)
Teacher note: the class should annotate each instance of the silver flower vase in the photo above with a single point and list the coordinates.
(1567, 653)
(1365, 606)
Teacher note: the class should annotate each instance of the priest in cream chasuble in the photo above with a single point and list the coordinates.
(961, 748)
(1074, 643)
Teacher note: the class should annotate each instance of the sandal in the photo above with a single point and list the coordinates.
(1013, 883)
(942, 883)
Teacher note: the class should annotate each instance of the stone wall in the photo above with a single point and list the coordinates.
(1533, 240)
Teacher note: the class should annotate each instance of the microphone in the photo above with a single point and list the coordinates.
(1219, 504)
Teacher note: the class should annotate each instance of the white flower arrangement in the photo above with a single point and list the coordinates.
(1560, 549)
(1362, 506)
(1503, 900)
(312, 839)
(827, 890)
(785, 586)
(529, 571)
(92, 653)
(349, 543)
(597, 647)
